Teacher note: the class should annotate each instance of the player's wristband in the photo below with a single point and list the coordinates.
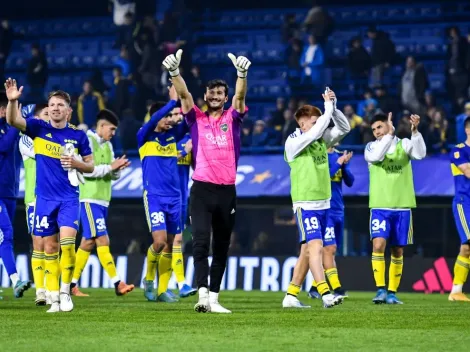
(175, 72)
(241, 74)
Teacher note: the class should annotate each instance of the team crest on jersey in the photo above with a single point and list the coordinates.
(224, 127)
(457, 155)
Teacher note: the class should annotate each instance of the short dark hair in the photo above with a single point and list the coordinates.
(155, 107)
(466, 123)
(59, 94)
(109, 116)
(379, 117)
(217, 83)
(307, 111)
(39, 107)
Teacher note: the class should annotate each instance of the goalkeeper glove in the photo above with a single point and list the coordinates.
(241, 63)
(172, 63)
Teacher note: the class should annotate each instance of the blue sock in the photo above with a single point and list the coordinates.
(6, 252)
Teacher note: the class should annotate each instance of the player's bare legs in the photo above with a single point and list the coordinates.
(461, 269)
(38, 267)
(315, 257)
(52, 270)
(378, 267)
(298, 277)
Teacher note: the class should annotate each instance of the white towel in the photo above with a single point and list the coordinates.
(75, 177)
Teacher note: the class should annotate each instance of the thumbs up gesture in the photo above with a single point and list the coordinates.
(241, 63)
(172, 63)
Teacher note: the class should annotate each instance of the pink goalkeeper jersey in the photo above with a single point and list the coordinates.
(216, 145)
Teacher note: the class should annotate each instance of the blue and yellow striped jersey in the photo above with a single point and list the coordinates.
(183, 167)
(460, 155)
(52, 180)
(158, 154)
(338, 174)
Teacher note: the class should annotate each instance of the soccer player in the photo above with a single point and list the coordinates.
(26, 145)
(391, 198)
(184, 147)
(460, 165)
(162, 196)
(57, 194)
(9, 185)
(95, 196)
(216, 149)
(307, 155)
(339, 171)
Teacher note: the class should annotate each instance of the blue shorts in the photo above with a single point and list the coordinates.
(7, 213)
(461, 214)
(163, 213)
(51, 215)
(334, 230)
(30, 217)
(396, 226)
(93, 218)
(311, 224)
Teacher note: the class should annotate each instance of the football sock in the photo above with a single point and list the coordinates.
(177, 265)
(67, 259)
(461, 268)
(323, 288)
(164, 272)
(81, 258)
(152, 263)
(107, 262)
(395, 273)
(293, 289)
(52, 271)
(38, 263)
(378, 267)
(333, 278)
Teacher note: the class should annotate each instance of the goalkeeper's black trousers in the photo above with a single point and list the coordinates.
(212, 207)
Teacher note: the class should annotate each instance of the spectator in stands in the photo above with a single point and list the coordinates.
(6, 40)
(126, 32)
(120, 8)
(149, 69)
(277, 116)
(312, 61)
(359, 63)
(37, 74)
(414, 83)
(290, 28)
(319, 23)
(382, 54)
(290, 125)
(436, 135)
(459, 123)
(294, 54)
(124, 62)
(128, 128)
(357, 125)
(361, 106)
(195, 83)
(89, 104)
(119, 96)
(97, 81)
(246, 133)
(457, 75)
(260, 134)
(385, 101)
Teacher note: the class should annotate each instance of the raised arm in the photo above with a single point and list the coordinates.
(375, 151)
(13, 94)
(297, 141)
(348, 176)
(150, 126)
(242, 64)
(341, 128)
(416, 147)
(172, 63)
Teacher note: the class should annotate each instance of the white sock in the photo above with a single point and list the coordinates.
(214, 296)
(457, 288)
(180, 285)
(14, 279)
(65, 288)
(115, 279)
(75, 281)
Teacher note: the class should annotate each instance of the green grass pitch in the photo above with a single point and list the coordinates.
(104, 322)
